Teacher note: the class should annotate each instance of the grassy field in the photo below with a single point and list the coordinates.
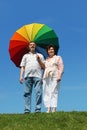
(44, 121)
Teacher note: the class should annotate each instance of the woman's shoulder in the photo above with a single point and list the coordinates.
(58, 58)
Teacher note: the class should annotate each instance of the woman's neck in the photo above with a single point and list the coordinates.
(51, 56)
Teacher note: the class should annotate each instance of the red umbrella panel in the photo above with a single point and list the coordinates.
(17, 48)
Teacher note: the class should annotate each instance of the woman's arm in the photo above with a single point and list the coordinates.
(60, 68)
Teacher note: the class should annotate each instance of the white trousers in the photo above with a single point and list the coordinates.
(50, 92)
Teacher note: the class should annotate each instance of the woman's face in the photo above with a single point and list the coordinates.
(51, 51)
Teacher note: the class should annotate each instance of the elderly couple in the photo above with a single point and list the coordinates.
(31, 71)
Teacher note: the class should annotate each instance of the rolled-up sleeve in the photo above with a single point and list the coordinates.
(23, 61)
(41, 57)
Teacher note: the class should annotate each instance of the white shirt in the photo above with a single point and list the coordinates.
(54, 67)
(32, 66)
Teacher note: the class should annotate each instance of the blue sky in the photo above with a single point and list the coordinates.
(69, 20)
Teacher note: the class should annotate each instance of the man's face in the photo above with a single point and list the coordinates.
(32, 46)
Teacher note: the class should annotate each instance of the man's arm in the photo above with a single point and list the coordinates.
(21, 74)
(40, 62)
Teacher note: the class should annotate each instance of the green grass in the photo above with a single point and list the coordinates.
(44, 121)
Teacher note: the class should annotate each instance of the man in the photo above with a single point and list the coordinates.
(31, 68)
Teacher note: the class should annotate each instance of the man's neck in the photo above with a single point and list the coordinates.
(32, 52)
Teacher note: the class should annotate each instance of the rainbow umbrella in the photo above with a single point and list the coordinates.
(41, 34)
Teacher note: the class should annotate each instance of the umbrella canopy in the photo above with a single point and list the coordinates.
(41, 34)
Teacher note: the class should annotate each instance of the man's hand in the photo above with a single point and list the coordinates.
(21, 80)
(21, 74)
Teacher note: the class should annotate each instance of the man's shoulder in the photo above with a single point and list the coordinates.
(25, 55)
(39, 54)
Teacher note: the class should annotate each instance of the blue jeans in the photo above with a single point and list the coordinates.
(31, 82)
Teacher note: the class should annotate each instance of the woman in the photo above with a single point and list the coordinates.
(51, 79)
